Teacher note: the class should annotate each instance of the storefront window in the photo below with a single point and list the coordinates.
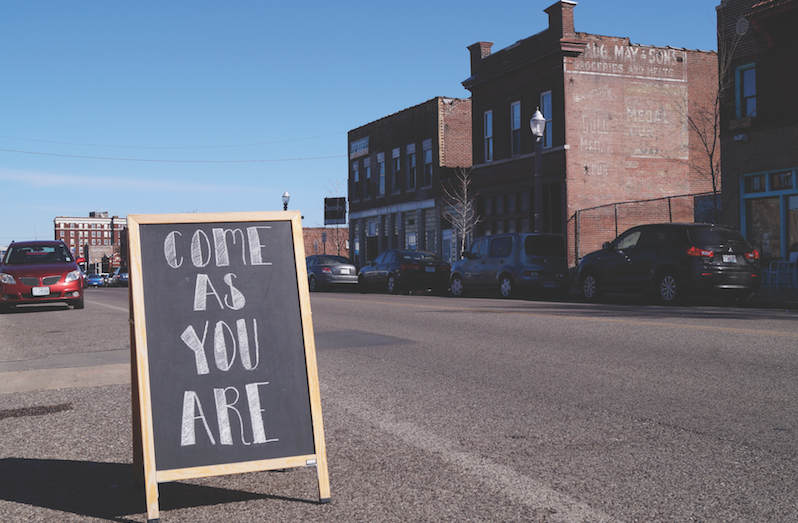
(792, 223)
(763, 226)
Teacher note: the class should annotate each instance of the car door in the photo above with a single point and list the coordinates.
(473, 266)
(643, 257)
(370, 275)
(384, 266)
(499, 251)
(615, 263)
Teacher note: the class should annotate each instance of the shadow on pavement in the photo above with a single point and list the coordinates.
(102, 490)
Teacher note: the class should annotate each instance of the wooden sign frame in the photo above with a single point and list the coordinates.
(144, 442)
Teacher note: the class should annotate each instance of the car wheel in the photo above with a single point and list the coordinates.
(393, 287)
(457, 285)
(589, 286)
(668, 291)
(506, 286)
(312, 284)
(78, 304)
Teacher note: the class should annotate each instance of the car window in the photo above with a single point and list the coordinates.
(501, 247)
(311, 262)
(417, 255)
(330, 260)
(479, 248)
(716, 236)
(628, 240)
(379, 259)
(38, 254)
(544, 245)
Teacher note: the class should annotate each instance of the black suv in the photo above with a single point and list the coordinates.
(672, 260)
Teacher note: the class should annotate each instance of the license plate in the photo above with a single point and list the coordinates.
(345, 270)
(729, 258)
(548, 284)
(41, 291)
(429, 268)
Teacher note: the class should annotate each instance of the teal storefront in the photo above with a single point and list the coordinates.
(769, 212)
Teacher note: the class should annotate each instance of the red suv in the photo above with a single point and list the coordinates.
(40, 272)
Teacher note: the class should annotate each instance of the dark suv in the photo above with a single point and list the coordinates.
(672, 260)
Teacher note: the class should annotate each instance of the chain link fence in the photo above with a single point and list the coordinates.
(589, 228)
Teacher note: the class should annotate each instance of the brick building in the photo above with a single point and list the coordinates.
(103, 236)
(337, 240)
(759, 121)
(396, 165)
(616, 130)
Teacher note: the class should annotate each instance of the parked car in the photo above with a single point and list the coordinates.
(399, 271)
(671, 261)
(120, 278)
(513, 263)
(40, 272)
(95, 280)
(326, 270)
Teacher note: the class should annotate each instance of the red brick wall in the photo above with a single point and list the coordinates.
(336, 236)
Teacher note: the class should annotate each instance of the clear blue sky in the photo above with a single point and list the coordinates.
(139, 107)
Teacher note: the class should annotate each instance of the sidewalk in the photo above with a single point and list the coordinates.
(775, 299)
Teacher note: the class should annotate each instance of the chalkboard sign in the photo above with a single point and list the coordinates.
(223, 347)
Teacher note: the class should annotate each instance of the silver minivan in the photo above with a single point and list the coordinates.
(513, 263)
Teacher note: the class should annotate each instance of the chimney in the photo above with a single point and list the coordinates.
(561, 19)
(479, 51)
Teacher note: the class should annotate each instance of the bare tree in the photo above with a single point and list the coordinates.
(459, 206)
(704, 119)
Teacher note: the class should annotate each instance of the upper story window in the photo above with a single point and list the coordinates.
(487, 128)
(412, 173)
(397, 170)
(515, 128)
(746, 91)
(427, 151)
(367, 181)
(545, 108)
(355, 181)
(381, 172)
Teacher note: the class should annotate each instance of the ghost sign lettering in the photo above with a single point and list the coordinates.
(222, 340)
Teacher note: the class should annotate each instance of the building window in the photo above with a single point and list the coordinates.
(755, 183)
(355, 181)
(545, 108)
(427, 150)
(367, 181)
(515, 128)
(488, 135)
(397, 170)
(781, 181)
(746, 91)
(412, 174)
(381, 172)
(412, 241)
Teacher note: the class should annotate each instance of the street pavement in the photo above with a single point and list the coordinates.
(65, 455)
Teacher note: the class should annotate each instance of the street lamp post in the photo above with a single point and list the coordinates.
(286, 197)
(538, 124)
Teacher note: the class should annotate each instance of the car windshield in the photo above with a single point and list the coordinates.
(544, 246)
(716, 236)
(424, 256)
(32, 254)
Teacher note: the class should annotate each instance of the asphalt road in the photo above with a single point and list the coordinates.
(440, 409)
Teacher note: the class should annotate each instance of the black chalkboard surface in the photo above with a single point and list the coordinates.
(224, 355)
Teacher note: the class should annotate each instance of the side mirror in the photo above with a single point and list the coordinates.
(368, 263)
(607, 246)
(467, 255)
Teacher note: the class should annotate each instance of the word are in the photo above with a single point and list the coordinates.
(193, 411)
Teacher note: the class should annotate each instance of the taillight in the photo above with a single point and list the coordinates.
(752, 256)
(326, 270)
(703, 253)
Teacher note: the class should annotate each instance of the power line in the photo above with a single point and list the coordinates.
(173, 147)
(172, 161)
